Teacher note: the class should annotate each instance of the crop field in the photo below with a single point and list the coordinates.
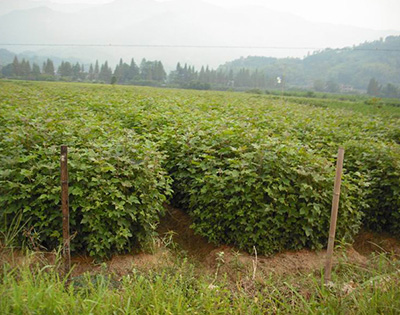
(251, 170)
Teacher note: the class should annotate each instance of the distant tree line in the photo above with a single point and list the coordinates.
(376, 89)
(187, 77)
(152, 73)
(147, 73)
(24, 70)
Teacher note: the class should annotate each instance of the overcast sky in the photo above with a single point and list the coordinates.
(374, 14)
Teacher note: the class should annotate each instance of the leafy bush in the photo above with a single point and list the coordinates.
(117, 184)
(247, 191)
(254, 91)
(197, 85)
(379, 166)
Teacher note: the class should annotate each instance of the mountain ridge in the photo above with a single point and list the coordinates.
(352, 66)
(176, 23)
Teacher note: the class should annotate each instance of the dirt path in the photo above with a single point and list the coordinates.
(210, 255)
(175, 226)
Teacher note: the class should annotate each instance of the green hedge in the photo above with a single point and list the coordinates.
(117, 184)
(378, 165)
(246, 191)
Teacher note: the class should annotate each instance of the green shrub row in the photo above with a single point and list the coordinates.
(117, 183)
(251, 171)
(377, 164)
(252, 191)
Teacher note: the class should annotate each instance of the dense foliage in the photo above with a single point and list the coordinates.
(252, 170)
(117, 183)
(270, 193)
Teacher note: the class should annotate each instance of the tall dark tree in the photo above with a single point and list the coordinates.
(145, 70)
(48, 67)
(96, 70)
(332, 86)
(105, 73)
(35, 71)
(202, 75)
(8, 71)
(25, 68)
(373, 87)
(91, 73)
(133, 73)
(391, 91)
(207, 75)
(122, 72)
(159, 72)
(76, 71)
(65, 69)
(118, 72)
(177, 77)
(16, 68)
(319, 85)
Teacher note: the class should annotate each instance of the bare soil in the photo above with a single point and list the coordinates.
(209, 258)
(178, 224)
(368, 242)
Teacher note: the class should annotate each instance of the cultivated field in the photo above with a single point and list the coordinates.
(252, 171)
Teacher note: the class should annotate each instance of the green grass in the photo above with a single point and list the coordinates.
(34, 288)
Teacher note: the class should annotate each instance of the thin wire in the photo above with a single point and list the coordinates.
(198, 46)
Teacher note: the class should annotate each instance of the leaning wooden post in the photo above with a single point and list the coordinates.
(334, 213)
(65, 210)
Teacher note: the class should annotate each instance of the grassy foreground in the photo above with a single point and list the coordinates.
(177, 286)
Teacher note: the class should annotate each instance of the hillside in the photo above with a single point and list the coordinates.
(371, 67)
(7, 57)
(172, 23)
(353, 67)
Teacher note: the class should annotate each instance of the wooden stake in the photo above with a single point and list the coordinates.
(334, 213)
(65, 209)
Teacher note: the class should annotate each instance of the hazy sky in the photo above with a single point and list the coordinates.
(375, 14)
